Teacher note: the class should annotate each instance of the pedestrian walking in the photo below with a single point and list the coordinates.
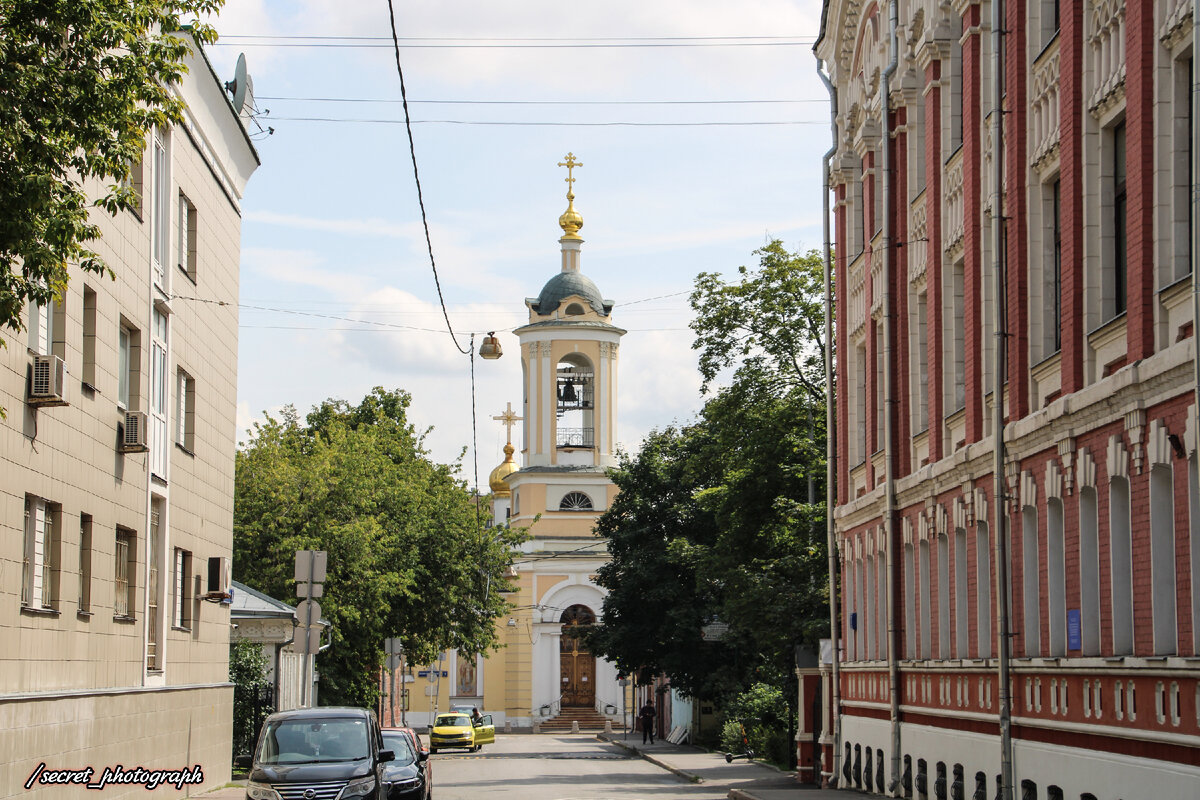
(646, 718)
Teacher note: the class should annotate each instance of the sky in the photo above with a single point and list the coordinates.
(337, 291)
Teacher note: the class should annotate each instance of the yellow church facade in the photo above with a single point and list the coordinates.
(569, 355)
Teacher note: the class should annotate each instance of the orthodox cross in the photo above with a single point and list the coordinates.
(509, 418)
(570, 164)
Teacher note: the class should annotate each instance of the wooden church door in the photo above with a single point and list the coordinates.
(577, 665)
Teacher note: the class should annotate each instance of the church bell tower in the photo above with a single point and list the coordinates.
(569, 361)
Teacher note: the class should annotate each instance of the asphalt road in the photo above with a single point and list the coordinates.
(567, 767)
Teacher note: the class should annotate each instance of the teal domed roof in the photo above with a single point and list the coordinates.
(565, 284)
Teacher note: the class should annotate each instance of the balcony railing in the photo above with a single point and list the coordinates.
(576, 437)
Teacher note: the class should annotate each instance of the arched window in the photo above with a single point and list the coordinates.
(575, 501)
(574, 310)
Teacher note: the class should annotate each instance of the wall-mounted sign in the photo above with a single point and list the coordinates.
(1074, 630)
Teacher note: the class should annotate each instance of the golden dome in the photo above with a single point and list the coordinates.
(571, 220)
(496, 479)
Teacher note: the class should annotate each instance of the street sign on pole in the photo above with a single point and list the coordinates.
(310, 566)
(310, 574)
(306, 589)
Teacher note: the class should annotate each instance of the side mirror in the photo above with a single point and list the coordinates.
(386, 755)
(422, 756)
(243, 762)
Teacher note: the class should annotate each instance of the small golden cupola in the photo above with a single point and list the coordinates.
(500, 490)
(571, 220)
(508, 467)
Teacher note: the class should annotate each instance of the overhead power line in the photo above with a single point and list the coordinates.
(505, 38)
(543, 124)
(443, 43)
(540, 102)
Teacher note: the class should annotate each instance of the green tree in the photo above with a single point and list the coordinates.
(409, 553)
(82, 82)
(720, 520)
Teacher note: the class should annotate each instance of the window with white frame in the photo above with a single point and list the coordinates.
(188, 226)
(41, 327)
(943, 585)
(1194, 554)
(1089, 571)
(1162, 559)
(926, 612)
(956, 337)
(185, 411)
(39, 585)
(1030, 580)
(155, 580)
(129, 345)
(910, 598)
(1052, 271)
(1180, 178)
(1120, 551)
(136, 182)
(920, 373)
(160, 219)
(575, 501)
(159, 439)
(124, 573)
(983, 589)
(1115, 275)
(180, 590)
(961, 620)
(1056, 577)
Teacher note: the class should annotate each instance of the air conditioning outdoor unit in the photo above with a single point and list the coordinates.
(220, 581)
(133, 433)
(47, 382)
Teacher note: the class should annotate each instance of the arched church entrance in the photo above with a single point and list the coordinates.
(577, 665)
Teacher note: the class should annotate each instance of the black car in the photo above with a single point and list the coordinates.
(318, 754)
(407, 776)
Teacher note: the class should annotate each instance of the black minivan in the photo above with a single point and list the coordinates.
(329, 753)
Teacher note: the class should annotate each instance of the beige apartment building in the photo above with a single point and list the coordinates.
(116, 480)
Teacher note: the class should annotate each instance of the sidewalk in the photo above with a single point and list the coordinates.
(745, 780)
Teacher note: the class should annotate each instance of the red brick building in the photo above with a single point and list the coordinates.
(1099, 400)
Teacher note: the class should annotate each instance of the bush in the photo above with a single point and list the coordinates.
(764, 712)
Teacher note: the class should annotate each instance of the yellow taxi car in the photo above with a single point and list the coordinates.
(455, 730)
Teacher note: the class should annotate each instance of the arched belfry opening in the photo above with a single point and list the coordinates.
(575, 403)
(577, 664)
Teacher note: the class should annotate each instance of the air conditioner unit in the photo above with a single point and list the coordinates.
(220, 580)
(47, 381)
(133, 433)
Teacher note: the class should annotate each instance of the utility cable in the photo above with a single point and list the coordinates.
(412, 150)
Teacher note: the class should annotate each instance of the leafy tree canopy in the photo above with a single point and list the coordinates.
(409, 551)
(767, 324)
(720, 520)
(82, 82)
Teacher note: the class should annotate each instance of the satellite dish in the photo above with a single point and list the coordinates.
(240, 86)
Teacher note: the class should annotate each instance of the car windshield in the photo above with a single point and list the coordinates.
(398, 743)
(295, 741)
(457, 720)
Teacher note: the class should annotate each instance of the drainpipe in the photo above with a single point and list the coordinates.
(830, 438)
(1000, 371)
(1196, 208)
(889, 393)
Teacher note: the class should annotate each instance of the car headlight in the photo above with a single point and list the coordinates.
(360, 787)
(260, 791)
